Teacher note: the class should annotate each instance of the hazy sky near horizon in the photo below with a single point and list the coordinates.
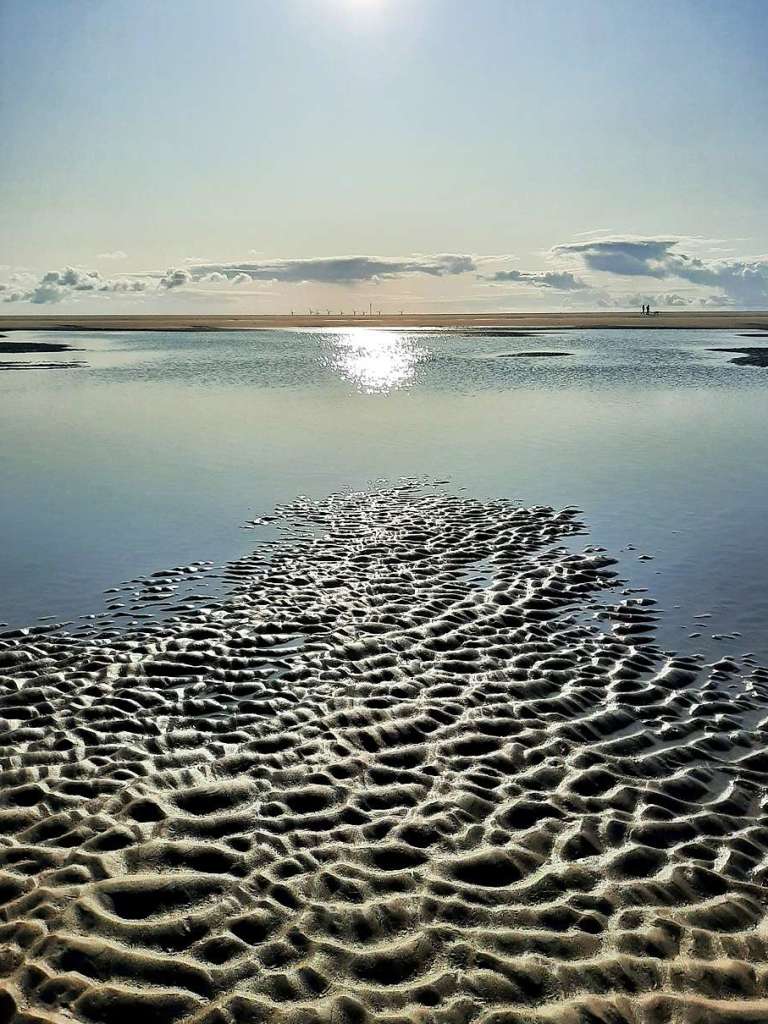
(189, 155)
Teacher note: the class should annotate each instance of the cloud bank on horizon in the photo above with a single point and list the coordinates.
(598, 271)
(58, 285)
(563, 281)
(341, 270)
(741, 282)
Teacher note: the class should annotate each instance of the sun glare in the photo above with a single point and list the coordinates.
(376, 361)
(361, 8)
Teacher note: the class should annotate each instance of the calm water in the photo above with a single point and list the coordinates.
(156, 450)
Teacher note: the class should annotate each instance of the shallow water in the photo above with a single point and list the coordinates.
(155, 451)
(393, 771)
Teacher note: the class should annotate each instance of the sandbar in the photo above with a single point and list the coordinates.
(398, 773)
(748, 357)
(677, 320)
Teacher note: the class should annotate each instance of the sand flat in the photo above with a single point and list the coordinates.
(727, 320)
(397, 775)
(747, 356)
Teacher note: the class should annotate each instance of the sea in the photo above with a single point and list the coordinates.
(137, 452)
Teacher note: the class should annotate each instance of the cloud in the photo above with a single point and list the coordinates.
(341, 270)
(175, 279)
(563, 281)
(744, 282)
(57, 285)
(118, 254)
(627, 256)
(634, 300)
(608, 270)
(673, 299)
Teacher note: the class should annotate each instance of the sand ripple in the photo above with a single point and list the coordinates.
(400, 775)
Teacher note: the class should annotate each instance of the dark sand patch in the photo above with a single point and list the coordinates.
(25, 347)
(490, 332)
(363, 788)
(751, 356)
(531, 355)
(16, 364)
(34, 347)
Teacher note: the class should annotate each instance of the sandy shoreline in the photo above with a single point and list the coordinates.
(399, 774)
(562, 321)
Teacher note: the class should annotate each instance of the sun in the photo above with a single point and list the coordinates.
(360, 15)
(362, 6)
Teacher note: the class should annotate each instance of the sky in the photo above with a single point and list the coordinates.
(271, 156)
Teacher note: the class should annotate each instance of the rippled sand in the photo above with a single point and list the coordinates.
(423, 764)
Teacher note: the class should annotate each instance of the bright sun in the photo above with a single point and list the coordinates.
(362, 4)
(364, 12)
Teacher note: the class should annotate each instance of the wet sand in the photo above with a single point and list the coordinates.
(18, 365)
(532, 355)
(423, 764)
(748, 356)
(24, 347)
(562, 321)
(34, 347)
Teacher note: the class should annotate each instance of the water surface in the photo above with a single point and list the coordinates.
(155, 451)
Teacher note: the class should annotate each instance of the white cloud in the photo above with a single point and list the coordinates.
(607, 271)
(57, 285)
(658, 300)
(563, 281)
(176, 278)
(341, 270)
(743, 282)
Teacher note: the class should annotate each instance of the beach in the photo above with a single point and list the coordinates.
(396, 775)
(383, 495)
(440, 749)
(708, 320)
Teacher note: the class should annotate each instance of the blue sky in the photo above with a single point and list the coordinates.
(190, 155)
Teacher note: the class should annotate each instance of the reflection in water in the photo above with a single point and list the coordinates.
(376, 361)
(166, 440)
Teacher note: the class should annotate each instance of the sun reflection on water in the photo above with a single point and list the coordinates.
(376, 361)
